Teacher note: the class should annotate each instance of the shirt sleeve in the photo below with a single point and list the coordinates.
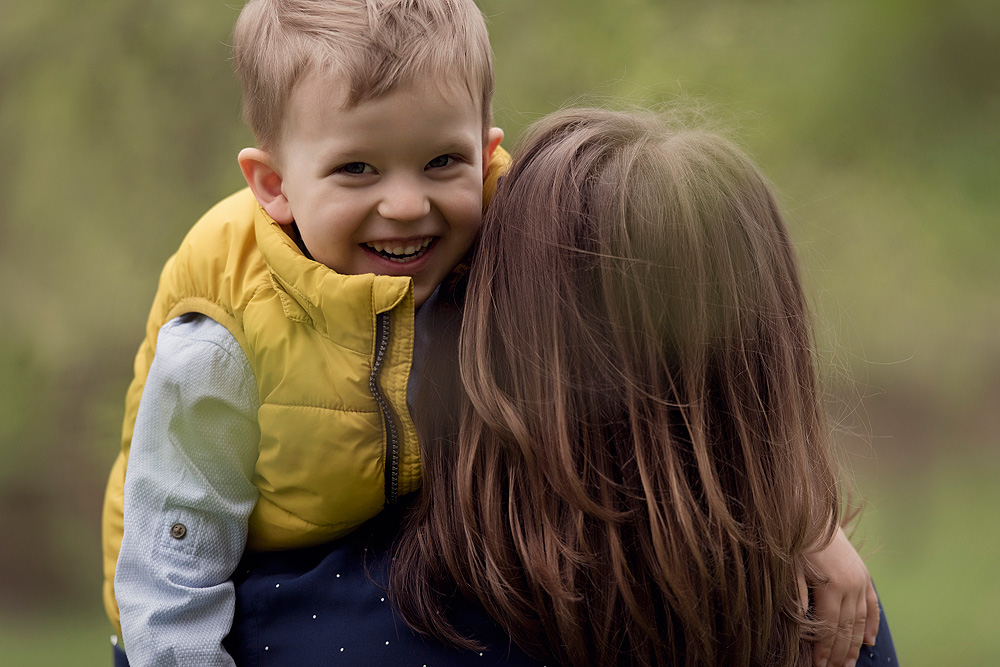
(188, 497)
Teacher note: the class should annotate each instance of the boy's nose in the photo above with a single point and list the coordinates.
(404, 202)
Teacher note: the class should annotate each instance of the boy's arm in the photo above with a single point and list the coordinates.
(188, 496)
(844, 600)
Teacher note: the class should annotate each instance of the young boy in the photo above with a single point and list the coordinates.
(268, 409)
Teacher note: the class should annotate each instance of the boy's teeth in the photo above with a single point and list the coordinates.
(398, 250)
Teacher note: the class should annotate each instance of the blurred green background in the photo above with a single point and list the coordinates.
(879, 122)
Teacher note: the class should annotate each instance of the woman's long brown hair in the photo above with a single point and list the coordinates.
(634, 459)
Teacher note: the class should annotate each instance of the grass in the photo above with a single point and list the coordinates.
(931, 541)
(56, 639)
(930, 538)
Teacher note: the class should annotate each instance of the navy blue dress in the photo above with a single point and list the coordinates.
(328, 605)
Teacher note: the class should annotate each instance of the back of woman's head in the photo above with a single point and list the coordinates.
(641, 461)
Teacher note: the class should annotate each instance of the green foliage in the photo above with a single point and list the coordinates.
(933, 557)
(877, 120)
(56, 640)
(114, 133)
(119, 125)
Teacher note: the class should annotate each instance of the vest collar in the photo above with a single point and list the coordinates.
(313, 292)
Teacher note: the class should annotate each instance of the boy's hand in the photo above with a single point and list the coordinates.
(844, 601)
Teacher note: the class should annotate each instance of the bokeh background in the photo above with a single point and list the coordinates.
(879, 122)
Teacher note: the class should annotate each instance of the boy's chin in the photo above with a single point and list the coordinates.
(420, 295)
(422, 290)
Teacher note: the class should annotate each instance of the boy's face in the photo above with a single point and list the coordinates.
(391, 186)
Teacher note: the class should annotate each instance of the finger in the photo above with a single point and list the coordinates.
(821, 649)
(857, 631)
(842, 637)
(872, 618)
(826, 609)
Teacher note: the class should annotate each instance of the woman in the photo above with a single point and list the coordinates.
(633, 466)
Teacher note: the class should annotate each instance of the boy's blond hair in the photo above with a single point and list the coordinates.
(375, 45)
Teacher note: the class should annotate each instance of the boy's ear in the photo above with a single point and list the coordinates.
(493, 138)
(265, 182)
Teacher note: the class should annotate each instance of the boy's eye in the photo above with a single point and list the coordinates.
(356, 168)
(440, 161)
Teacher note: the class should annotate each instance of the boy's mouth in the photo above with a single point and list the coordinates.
(401, 251)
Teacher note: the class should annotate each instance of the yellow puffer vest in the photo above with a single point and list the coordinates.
(331, 355)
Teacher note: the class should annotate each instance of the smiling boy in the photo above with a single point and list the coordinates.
(269, 405)
(392, 186)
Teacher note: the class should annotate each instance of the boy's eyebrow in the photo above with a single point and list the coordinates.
(338, 151)
(455, 145)
(335, 150)
(349, 147)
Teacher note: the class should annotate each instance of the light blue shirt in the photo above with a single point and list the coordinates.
(188, 497)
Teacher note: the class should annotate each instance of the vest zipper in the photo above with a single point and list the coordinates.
(392, 433)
